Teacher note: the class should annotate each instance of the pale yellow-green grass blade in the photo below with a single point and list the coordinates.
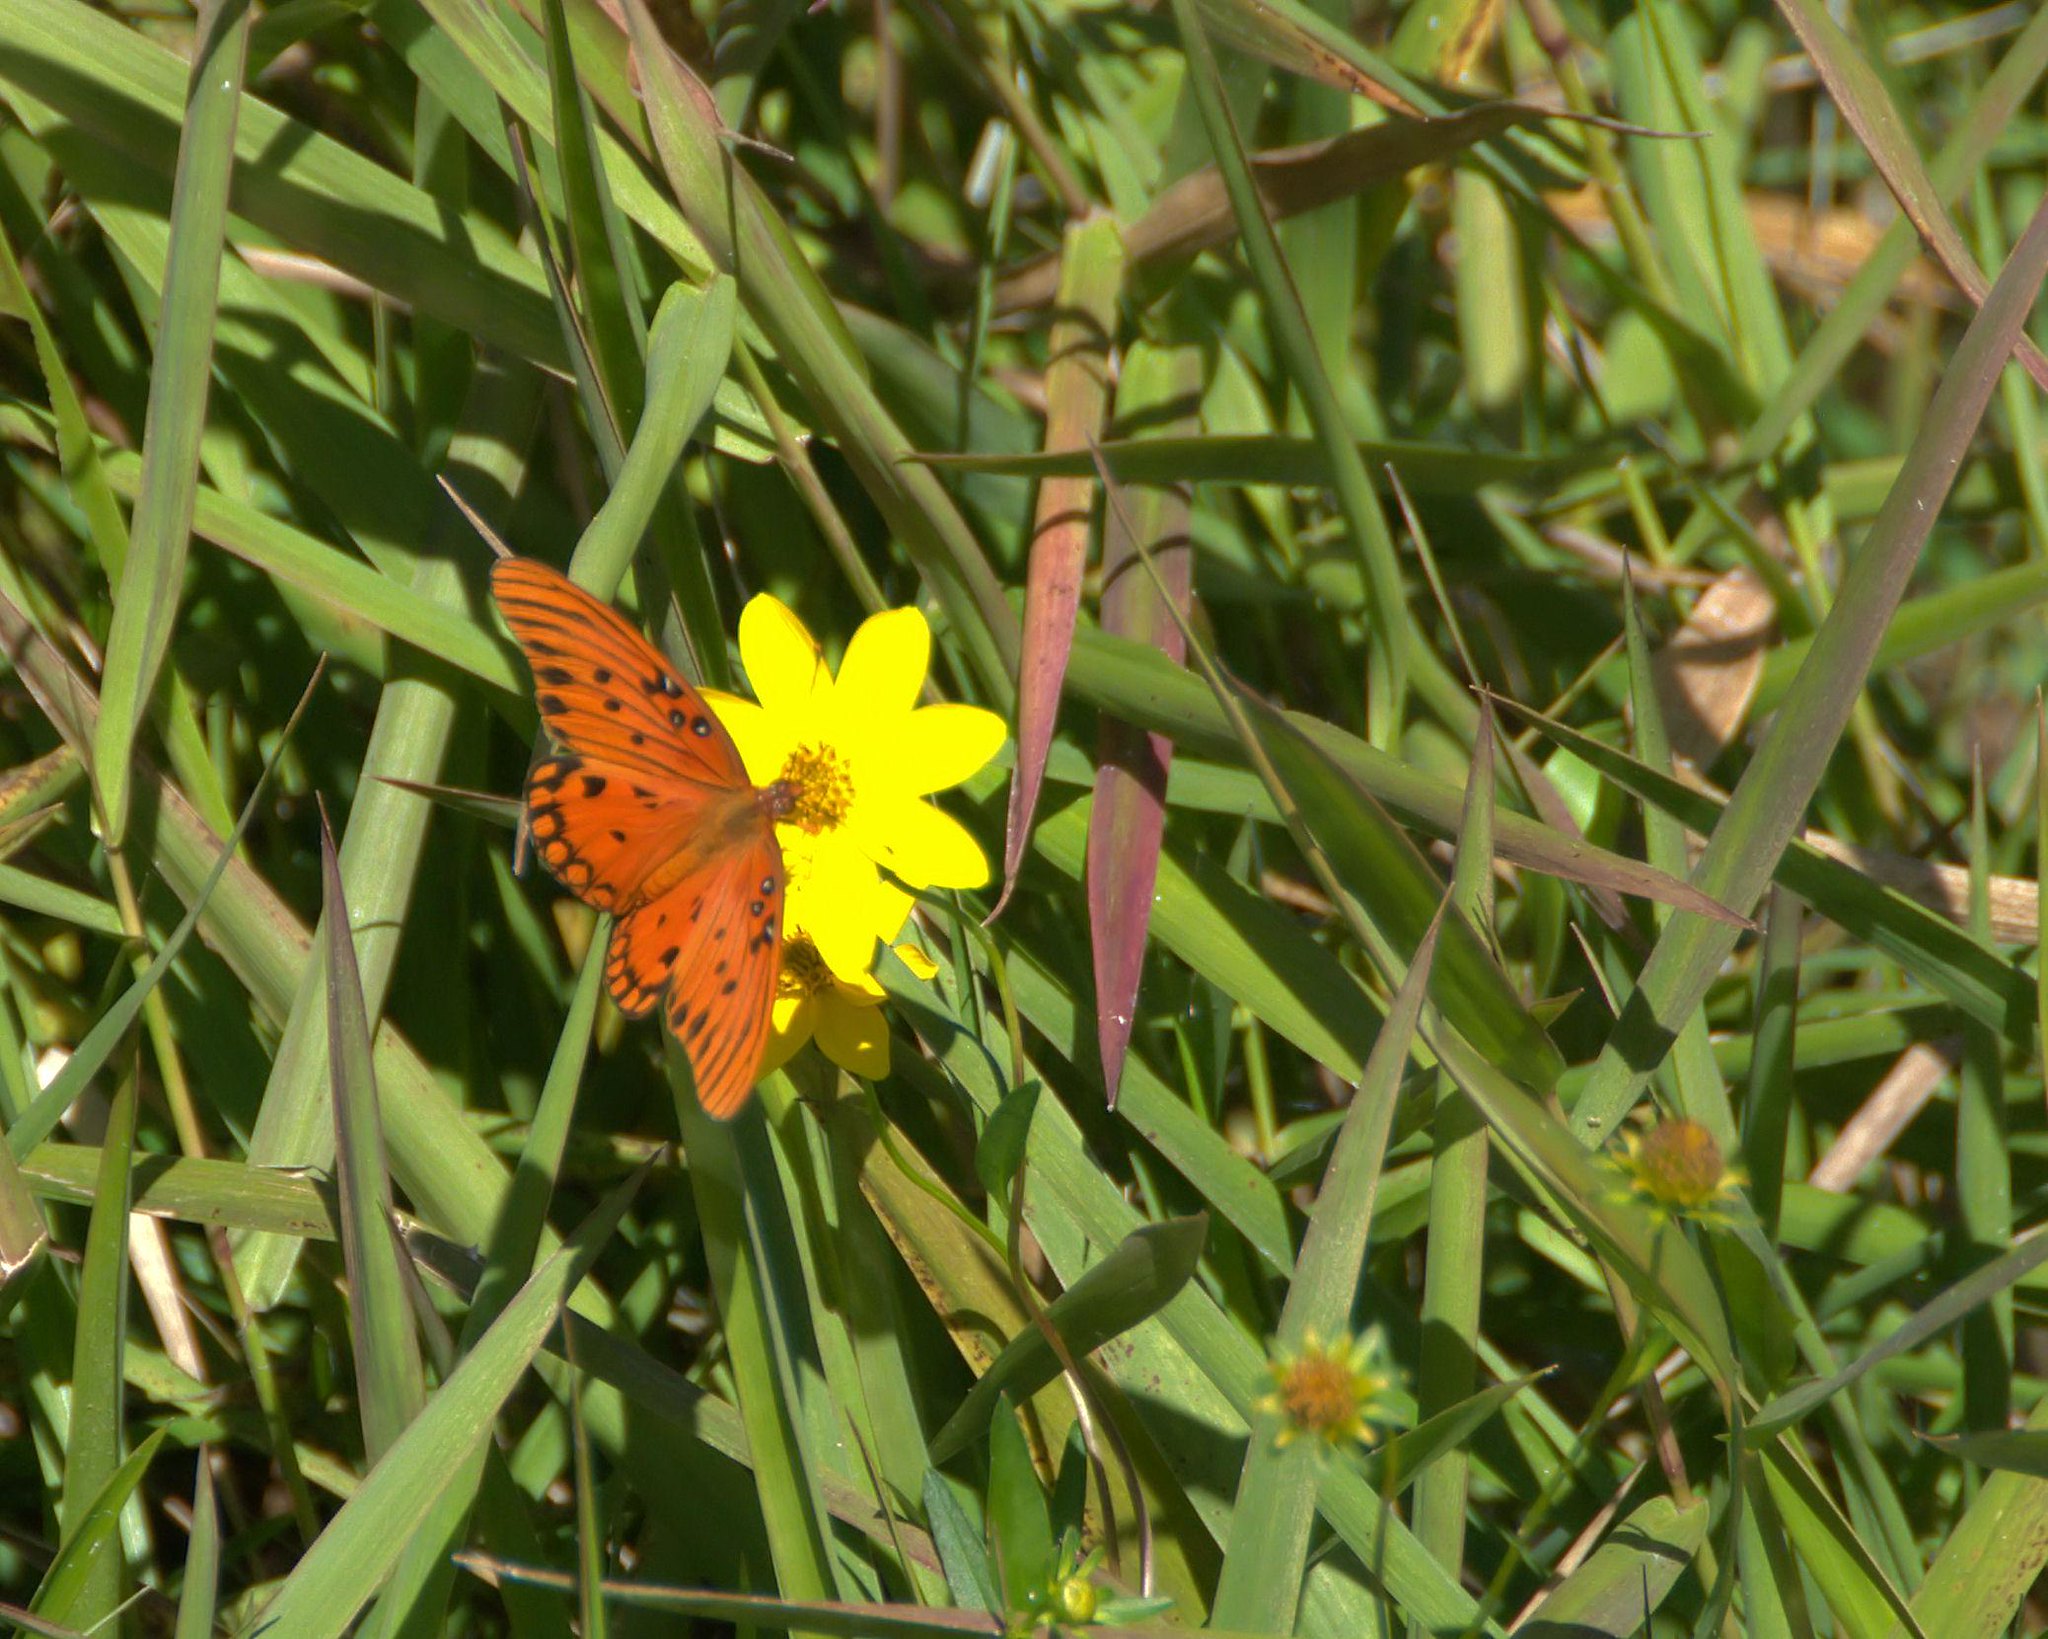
(152, 577)
(229, 1193)
(384, 845)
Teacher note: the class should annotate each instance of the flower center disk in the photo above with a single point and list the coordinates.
(804, 972)
(823, 785)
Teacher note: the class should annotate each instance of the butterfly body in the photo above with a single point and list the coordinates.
(647, 812)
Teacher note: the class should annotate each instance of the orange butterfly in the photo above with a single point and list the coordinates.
(648, 813)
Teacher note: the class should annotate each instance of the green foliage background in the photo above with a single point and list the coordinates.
(1472, 360)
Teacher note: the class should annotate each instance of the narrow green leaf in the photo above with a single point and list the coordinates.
(1392, 652)
(93, 1441)
(199, 1597)
(93, 1543)
(969, 1573)
(1929, 1320)
(390, 1380)
(146, 602)
(1019, 1527)
(337, 1575)
(1265, 1557)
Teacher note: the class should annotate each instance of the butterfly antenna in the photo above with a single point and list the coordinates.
(491, 537)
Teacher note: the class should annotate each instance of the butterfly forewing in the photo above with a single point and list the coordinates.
(647, 812)
(603, 831)
(603, 689)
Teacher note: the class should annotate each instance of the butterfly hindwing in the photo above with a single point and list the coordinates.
(709, 950)
(603, 689)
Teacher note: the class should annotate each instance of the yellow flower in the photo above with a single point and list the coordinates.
(1333, 1392)
(843, 1016)
(863, 756)
(1674, 1169)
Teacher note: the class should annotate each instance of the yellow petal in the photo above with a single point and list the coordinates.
(834, 903)
(919, 963)
(854, 1038)
(883, 668)
(926, 848)
(865, 991)
(940, 746)
(790, 1023)
(782, 659)
(764, 742)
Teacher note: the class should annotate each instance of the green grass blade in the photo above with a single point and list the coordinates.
(784, 297)
(687, 348)
(199, 1598)
(748, 1243)
(1265, 1556)
(1393, 653)
(94, 1544)
(146, 602)
(92, 1448)
(340, 1572)
(1764, 814)
(390, 1380)
(1455, 1255)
